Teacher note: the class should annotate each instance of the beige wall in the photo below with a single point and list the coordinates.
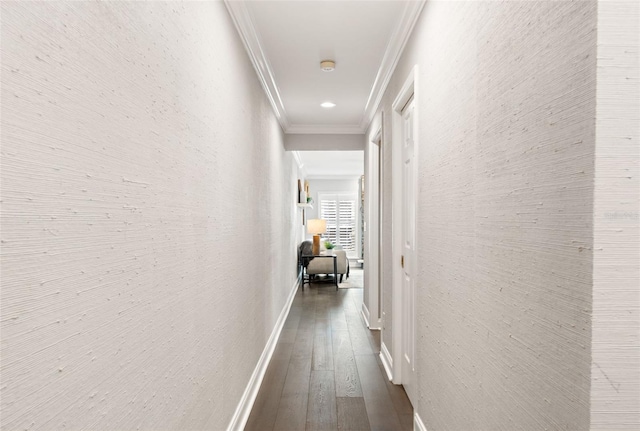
(143, 267)
(506, 100)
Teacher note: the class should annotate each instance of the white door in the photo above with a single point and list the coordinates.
(408, 252)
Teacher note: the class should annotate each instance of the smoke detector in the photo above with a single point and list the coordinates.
(328, 65)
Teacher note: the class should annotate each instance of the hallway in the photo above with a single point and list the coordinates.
(153, 206)
(325, 372)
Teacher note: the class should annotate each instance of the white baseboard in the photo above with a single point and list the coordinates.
(367, 319)
(387, 360)
(241, 415)
(365, 314)
(418, 425)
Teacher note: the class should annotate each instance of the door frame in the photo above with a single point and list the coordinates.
(372, 308)
(409, 89)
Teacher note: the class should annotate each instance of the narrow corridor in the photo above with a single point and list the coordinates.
(325, 373)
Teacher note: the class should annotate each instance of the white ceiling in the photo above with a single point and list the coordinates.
(332, 164)
(286, 40)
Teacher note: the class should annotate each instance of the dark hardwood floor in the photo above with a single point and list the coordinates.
(325, 373)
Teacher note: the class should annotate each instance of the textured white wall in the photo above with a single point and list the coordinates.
(148, 218)
(615, 379)
(505, 213)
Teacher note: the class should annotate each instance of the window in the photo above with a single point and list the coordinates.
(340, 211)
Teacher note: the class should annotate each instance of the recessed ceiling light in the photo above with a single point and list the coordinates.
(328, 65)
(327, 104)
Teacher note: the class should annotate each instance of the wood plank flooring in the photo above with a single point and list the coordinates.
(325, 373)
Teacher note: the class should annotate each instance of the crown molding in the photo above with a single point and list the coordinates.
(298, 159)
(392, 54)
(301, 166)
(324, 129)
(241, 17)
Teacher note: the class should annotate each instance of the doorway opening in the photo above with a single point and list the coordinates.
(335, 183)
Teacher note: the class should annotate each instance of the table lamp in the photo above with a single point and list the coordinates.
(315, 227)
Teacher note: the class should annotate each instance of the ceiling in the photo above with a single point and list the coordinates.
(332, 164)
(286, 40)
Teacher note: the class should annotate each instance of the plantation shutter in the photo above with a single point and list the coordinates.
(329, 212)
(339, 210)
(347, 225)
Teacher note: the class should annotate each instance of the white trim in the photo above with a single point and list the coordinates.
(324, 129)
(241, 17)
(365, 313)
(377, 325)
(372, 280)
(241, 415)
(418, 425)
(371, 213)
(298, 159)
(409, 87)
(376, 138)
(392, 55)
(387, 360)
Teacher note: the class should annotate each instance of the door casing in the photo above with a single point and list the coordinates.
(372, 309)
(408, 90)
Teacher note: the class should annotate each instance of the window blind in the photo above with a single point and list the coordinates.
(339, 210)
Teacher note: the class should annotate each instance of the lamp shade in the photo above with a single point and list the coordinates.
(316, 226)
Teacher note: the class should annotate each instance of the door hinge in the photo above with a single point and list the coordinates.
(402, 261)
